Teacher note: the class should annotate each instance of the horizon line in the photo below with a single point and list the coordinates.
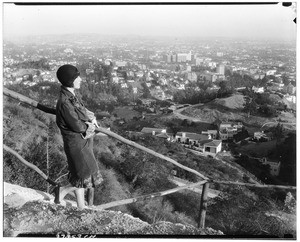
(150, 36)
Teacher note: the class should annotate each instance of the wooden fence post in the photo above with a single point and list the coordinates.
(47, 156)
(203, 206)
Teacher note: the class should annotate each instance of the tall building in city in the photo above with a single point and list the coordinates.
(221, 69)
(189, 56)
(168, 58)
(181, 57)
(174, 58)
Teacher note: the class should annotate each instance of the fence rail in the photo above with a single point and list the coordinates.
(148, 196)
(124, 201)
(204, 182)
(30, 165)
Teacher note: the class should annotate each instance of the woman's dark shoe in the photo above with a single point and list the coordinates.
(56, 191)
(90, 196)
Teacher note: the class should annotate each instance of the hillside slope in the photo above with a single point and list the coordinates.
(32, 212)
(230, 109)
(233, 102)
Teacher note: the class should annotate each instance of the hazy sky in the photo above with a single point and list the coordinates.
(264, 21)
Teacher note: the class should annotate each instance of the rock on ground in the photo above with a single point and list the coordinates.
(27, 211)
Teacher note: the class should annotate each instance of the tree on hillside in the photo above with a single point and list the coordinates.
(264, 81)
(250, 106)
(267, 110)
(236, 80)
(180, 96)
(277, 132)
(285, 79)
(263, 98)
(146, 91)
(241, 135)
(287, 152)
(174, 127)
(225, 90)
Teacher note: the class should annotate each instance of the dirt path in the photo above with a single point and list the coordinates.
(181, 182)
(177, 113)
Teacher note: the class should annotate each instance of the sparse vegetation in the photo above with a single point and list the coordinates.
(130, 173)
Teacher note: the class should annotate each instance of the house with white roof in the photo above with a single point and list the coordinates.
(211, 147)
(227, 130)
(160, 133)
(274, 166)
(212, 133)
(166, 136)
(262, 136)
(153, 131)
(258, 89)
(270, 72)
(191, 138)
(224, 135)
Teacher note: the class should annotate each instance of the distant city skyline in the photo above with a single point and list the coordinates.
(254, 21)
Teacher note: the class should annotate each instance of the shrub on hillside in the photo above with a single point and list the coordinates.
(26, 133)
(160, 209)
(290, 203)
(111, 190)
(243, 212)
(186, 202)
(12, 171)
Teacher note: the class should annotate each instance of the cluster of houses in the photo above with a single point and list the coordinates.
(203, 142)
(209, 142)
(28, 78)
(206, 142)
(286, 91)
(228, 130)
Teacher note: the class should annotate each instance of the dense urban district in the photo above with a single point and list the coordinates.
(224, 107)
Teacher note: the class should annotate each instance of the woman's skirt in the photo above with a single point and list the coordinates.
(92, 181)
(82, 164)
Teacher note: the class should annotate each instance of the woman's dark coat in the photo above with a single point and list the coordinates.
(71, 116)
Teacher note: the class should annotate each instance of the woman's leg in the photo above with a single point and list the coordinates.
(63, 191)
(79, 192)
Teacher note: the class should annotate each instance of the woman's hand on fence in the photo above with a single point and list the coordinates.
(90, 131)
(94, 121)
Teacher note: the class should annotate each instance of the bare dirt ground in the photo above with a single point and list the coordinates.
(227, 109)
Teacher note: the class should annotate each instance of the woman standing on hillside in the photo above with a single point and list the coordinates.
(77, 126)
